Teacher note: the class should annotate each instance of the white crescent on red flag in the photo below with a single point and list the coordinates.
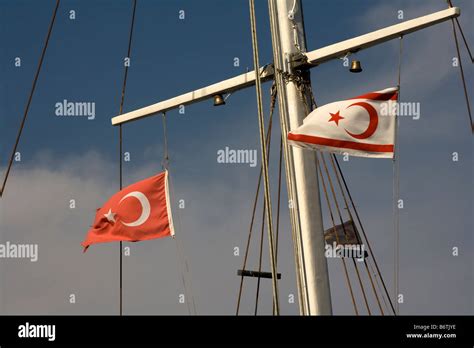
(140, 211)
(361, 126)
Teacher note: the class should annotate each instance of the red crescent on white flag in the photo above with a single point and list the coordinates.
(373, 121)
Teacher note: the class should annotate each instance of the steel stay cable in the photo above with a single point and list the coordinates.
(339, 172)
(266, 180)
(396, 185)
(460, 64)
(313, 101)
(279, 201)
(377, 283)
(348, 281)
(180, 249)
(165, 162)
(345, 233)
(463, 79)
(363, 232)
(260, 258)
(263, 215)
(30, 98)
(356, 233)
(268, 138)
(307, 87)
(182, 261)
(122, 99)
(263, 212)
(462, 34)
(464, 39)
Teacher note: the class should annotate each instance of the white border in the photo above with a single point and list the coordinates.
(168, 205)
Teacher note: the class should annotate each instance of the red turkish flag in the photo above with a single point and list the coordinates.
(140, 211)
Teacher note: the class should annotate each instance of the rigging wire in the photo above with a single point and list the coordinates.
(263, 230)
(30, 98)
(182, 261)
(306, 87)
(464, 39)
(359, 240)
(183, 264)
(252, 220)
(239, 297)
(263, 214)
(374, 272)
(363, 232)
(462, 33)
(463, 79)
(266, 180)
(260, 258)
(340, 176)
(165, 162)
(122, 99)
(396, 187)
(345, 233)
(278, 201)
(348, 281)
(278, 204)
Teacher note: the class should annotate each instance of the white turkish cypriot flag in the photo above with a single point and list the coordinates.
(361, 126)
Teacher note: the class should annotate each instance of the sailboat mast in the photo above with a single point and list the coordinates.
(288, 39)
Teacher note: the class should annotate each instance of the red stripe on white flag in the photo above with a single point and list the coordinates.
(361, 126)
(340, 143)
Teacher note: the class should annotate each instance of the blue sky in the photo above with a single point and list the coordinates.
(64, 158)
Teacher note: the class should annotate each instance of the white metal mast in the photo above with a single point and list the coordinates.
(288, 37)
(301, 172)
